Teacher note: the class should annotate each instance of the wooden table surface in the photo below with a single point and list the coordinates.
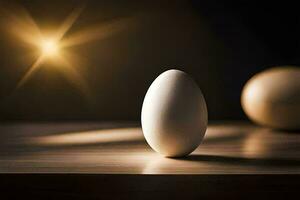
(119, 148)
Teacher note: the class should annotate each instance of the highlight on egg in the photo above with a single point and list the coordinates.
(174, 114)
(272, 98)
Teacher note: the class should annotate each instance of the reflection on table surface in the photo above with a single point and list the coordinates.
(232, 147)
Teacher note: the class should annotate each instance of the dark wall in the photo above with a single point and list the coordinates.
(221, 44)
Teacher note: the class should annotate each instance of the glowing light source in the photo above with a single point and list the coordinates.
(55, 46)
(50, 47)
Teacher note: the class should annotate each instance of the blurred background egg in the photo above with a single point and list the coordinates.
(272, 98)
(174, 114)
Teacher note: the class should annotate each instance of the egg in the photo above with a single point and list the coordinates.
(174, 114)
(272, 98)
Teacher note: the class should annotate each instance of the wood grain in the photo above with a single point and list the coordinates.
(119, 148)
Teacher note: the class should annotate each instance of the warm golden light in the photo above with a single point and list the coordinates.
(116, 135)
(49, 47)
(56, 46)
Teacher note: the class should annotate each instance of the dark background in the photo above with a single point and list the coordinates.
(221, 44)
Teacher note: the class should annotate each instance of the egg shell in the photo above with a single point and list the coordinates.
(174, 114)
(272, 98)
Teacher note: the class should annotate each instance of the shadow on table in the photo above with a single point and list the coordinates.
(243, 161)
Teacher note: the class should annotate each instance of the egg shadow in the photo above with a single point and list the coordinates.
(242, 161)
(278, 131)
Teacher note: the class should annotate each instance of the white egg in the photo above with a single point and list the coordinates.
(174, 114)
(272, 98)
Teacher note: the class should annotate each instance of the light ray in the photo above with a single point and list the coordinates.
(73, 76)
(96, 32)
(21, 25)
(68, 23)
(36, 65)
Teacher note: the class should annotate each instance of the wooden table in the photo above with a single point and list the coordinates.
(91, 160)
